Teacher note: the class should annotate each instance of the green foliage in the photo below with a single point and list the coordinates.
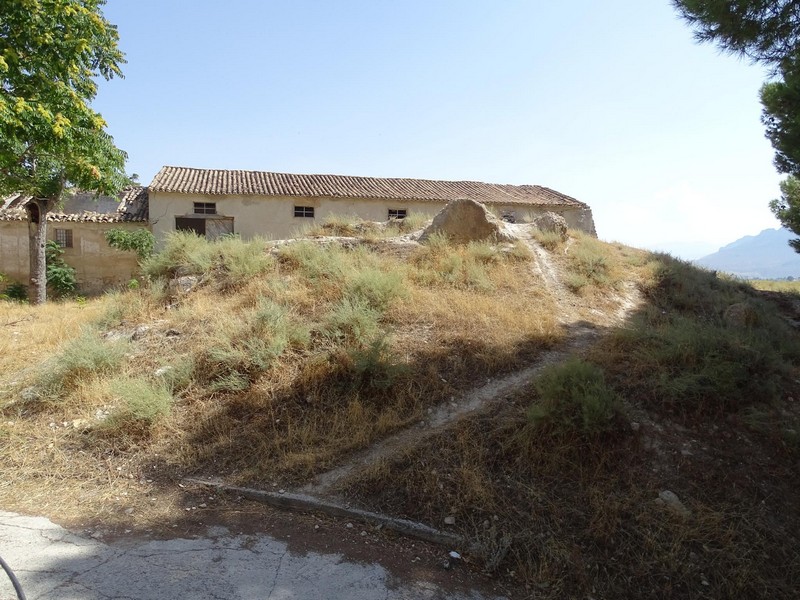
(50, 54)
(353, 320)
(374, 364)
(574, 398)
(60, 276)
(140, 402)
(233, 358)
(375, 287)
(589, 264)
(766, 31)
(550, 240)
(315, 261)
(681, 356)
(14, 291)
(231, 259)
(79, 359)
(138, 240)
(787, 208)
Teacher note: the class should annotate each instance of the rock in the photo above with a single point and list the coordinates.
(80, 424)
(140, 332)
(183, 284)
(463, 221)
(671, 501)
(552, 222)
(449, 520)
(30, 394)
(129, 511)
(454, 555)
(740, 314)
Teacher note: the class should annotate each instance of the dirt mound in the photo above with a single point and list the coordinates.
(463, 221)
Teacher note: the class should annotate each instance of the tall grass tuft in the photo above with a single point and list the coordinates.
(79, 359)
(574, 398)
(140, 403)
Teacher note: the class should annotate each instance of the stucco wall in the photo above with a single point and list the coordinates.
(97, 265)
(274, 217)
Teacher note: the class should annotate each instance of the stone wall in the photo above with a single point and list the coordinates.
(98, 267)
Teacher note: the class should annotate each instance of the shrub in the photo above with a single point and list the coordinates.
(80, 358)
(374, 364)
(60, 276)
(232, 260)
(377, 288)
(314, 261)
(14, 290)
(140, 241)
(550, 240)
(353, 320)
(140, 402)
(574, 398)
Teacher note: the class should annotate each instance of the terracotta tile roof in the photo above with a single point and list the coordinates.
(261, 183)
(130, 206)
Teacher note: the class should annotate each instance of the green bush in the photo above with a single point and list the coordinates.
(374, 364)
(140, 241)
(353, 321)
(375, 287)
(140, 402)
(14, 291)
(232, 260)
(79, 359)
(574, 398)
(60, 276)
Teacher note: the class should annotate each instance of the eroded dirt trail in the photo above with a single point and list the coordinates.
(578, 334)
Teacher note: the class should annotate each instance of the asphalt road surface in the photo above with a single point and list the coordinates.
(55, 564)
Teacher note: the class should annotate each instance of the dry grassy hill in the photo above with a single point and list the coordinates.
(551, 398)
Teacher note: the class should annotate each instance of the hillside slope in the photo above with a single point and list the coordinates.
(592, 419)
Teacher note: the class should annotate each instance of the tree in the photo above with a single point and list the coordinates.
(767, 32)
(51, 52)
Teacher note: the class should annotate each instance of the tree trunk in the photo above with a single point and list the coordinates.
(37, 236)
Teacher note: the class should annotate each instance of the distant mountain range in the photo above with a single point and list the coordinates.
(763, 256)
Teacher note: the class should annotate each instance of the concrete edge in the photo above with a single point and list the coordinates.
(305, 503)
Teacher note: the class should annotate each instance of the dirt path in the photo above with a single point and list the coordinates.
(578, 335)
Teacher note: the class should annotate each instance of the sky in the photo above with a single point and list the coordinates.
(610, 102)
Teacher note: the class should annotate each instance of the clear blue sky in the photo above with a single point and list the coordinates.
(610, 102)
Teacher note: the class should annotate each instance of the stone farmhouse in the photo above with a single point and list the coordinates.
(213, 202)
(79, 227)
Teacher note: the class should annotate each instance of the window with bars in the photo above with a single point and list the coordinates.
(397, 213)
(304, 211)
(64, 238)
(205, 208)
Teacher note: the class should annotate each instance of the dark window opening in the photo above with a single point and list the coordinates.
(304, 211)
(198, 226)
(210, 229)
(64, 238)
(205, 208)
(397, 213)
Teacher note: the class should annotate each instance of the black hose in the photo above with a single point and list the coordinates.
(13, 578)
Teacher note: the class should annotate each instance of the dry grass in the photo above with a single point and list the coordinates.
(772, 285)
(274, 367)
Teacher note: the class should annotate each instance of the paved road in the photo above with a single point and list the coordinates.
(54, 564)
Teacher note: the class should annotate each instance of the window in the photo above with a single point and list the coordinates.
(209, 228)
(397, 213)
(304, 211)
(205, 208)
(64, 238)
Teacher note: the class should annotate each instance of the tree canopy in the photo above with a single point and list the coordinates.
(51, 52)
(767, 32)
